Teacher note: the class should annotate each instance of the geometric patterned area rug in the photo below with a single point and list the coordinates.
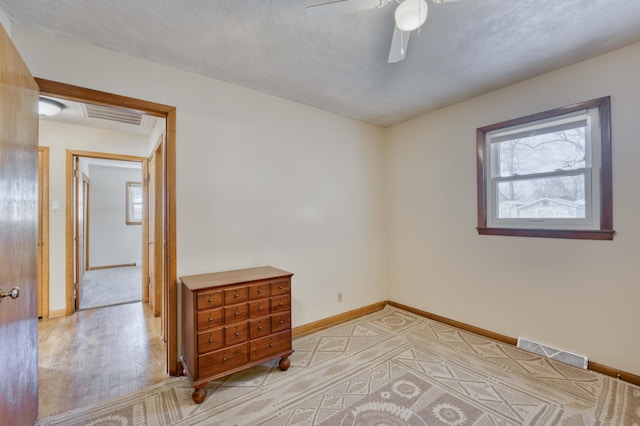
(390, 367)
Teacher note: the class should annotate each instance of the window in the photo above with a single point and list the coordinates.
(134, 203)
(548, 174)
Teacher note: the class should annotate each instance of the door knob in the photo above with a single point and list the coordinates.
(14, 293)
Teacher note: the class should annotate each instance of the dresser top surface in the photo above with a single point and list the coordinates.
(239, 276)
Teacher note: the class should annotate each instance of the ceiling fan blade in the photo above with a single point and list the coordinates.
(399, 44)
(342, 7)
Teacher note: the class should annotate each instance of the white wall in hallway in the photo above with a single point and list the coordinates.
(111, 240)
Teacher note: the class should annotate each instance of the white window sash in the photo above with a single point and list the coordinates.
(591, 174)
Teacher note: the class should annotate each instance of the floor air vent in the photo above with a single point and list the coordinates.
(114, 114)
(579, 361)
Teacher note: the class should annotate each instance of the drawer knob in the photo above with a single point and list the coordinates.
(210, 300)
(237, 334)
(260, 328)
(236, 313)
(281, 322)
(281, 303)
(236, 295)
(259, 308)
(224, 359)
(210, 340)
(270, 344)
(210, 319)
(259, 291)
(281, 287)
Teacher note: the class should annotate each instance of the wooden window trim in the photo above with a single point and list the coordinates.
(606, 231)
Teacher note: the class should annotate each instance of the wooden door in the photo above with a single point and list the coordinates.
(78, 211)
(82, 196)
(18, 237)
(84, 266)
(156, 234)
(159, 262)
(151, 231)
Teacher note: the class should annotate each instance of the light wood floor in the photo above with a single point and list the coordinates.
(98, 354)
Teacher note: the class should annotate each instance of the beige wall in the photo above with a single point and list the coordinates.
(260, 180)
(582, 296)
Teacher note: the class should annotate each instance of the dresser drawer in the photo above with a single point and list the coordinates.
(210, 340)
(280, 303)
(209, 300)
(234, 334)
(259, 308)
(280, 322)
(220, 361)
(270, 345)
(258, 291)
(234, 295)
(259, 328)
(280, 287)
(235, 313)
(209, 319)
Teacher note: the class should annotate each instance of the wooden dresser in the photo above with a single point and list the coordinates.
(234, 320)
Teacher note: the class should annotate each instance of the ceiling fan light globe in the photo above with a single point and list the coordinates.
(411, 14)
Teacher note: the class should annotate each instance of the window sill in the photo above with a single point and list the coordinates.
(549, 233)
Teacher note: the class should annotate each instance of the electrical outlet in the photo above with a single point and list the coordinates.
(339, 297)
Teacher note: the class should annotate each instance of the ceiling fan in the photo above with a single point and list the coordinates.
(409, 16)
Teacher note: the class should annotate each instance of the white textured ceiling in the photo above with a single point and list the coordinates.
(339, 64)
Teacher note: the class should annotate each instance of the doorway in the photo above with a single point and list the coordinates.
(167, 225)
(107, 219)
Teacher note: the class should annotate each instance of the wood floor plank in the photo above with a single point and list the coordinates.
(98, 354)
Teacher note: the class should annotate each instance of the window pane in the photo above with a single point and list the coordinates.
(555, 197)
(137, 213)
(136, 194)
(544, 152)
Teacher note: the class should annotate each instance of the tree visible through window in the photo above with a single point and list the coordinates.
(547, 175)
(134, 203)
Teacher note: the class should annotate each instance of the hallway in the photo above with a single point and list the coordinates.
(97, 354)
(111, 286)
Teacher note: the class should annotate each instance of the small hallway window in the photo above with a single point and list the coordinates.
(134, 203)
